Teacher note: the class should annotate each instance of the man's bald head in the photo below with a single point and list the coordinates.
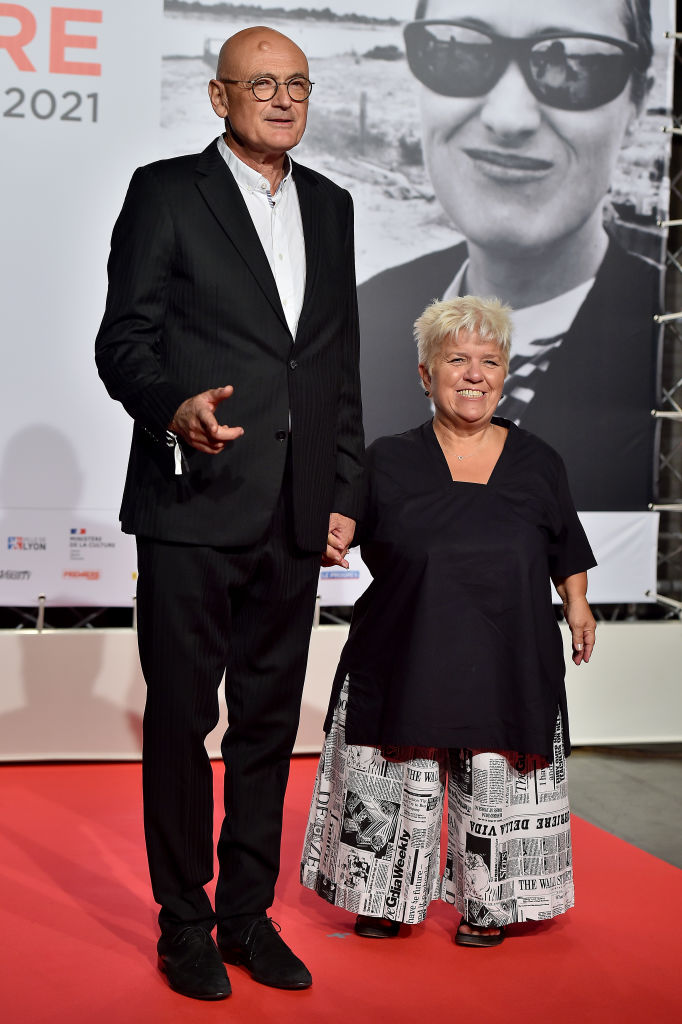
(247, 51)
(261, 130)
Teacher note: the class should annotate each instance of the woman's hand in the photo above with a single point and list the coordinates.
(578, 615)
(581, 622)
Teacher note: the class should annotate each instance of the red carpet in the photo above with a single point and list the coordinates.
(78, 929)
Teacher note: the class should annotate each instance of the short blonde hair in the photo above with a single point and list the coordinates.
(490, 318)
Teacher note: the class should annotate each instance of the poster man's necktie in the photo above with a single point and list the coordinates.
(525, 377)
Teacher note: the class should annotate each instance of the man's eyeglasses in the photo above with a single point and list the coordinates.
(265, 87)
(561, 69)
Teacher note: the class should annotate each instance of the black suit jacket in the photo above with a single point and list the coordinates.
(192, 304)
(594, 404)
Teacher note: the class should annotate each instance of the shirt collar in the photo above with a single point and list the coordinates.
(550, 319)
(248, 178)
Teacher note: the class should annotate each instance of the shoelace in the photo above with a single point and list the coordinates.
(193, 932)
(260, 922)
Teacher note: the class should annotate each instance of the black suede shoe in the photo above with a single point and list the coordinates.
(265, 955)
(191, 962)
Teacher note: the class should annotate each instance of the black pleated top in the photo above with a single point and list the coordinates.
(455, 643)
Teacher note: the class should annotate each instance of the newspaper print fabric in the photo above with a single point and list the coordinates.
(509, 836)
(372, 843)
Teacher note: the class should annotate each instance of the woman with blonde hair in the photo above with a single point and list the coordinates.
(453, 673)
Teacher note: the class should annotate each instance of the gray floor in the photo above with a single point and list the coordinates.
(633, 792)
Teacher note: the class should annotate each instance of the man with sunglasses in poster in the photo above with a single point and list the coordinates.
(524, 109)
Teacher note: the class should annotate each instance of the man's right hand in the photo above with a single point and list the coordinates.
(196, 424)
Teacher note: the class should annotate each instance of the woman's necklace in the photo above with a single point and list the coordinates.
(461, 458)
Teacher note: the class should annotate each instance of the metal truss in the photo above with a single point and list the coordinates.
(668, 412)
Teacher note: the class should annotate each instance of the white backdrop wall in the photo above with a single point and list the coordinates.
(63, 441)
(87, 95)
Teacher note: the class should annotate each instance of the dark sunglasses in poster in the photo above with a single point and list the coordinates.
(566, 70)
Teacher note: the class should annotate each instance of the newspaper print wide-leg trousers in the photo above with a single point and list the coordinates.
(372, 842)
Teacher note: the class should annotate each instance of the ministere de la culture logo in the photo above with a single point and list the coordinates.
(81, 541)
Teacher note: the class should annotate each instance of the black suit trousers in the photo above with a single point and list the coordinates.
(203, 611)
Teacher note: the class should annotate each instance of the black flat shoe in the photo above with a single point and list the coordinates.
(265, 955)
(376, 927)
(192, 964)
(478, 938)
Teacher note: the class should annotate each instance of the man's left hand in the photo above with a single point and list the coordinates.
(341, 530)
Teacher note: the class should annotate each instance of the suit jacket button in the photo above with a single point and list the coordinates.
(293, 364)
(281, 435)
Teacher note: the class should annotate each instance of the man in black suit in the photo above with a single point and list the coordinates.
(232, 294)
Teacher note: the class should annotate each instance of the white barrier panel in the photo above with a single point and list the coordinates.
(79, 694)
(71, 558)
(82, 558)
(624, 544)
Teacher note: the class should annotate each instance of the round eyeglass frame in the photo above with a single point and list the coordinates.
(275, 86)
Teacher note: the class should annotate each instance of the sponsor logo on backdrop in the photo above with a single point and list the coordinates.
(15, 574)
(339, 574)
(81, 574)
(81, 542)
(26, 543)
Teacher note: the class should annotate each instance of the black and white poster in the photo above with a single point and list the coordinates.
(490, 147)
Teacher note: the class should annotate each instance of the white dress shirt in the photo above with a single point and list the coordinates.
(277, 220)
(551, 318)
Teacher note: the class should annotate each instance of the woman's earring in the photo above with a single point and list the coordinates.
(427, 394)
